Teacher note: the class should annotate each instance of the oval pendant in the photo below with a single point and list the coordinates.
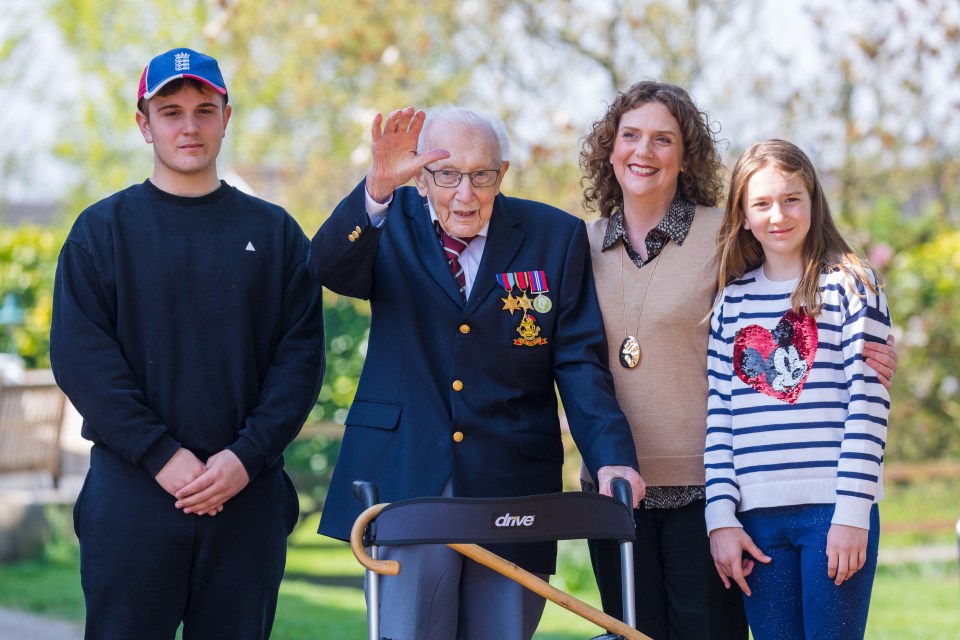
(630, 352)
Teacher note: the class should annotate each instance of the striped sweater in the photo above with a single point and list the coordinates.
(794, 415)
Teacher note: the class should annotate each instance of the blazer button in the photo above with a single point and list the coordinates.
(458, 436)
(464, 328)
(457, 385)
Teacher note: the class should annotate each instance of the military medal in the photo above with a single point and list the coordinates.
(525, 303)
(538, 285)
(510, 304)
(528, 329)
(507, 280)
(529, 333)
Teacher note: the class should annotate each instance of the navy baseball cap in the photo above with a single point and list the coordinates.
(176, 64)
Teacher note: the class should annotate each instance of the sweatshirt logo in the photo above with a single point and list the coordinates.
(250, 246)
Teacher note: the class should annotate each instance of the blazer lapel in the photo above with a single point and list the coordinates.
(504, 238)
(430, 253)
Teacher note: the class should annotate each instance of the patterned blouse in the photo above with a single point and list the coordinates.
(675, 226)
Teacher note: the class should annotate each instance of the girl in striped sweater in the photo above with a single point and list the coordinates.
(796, 422)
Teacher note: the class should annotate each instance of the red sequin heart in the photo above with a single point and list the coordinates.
(777, 362)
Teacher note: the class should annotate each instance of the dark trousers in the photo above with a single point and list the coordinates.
(679, 595)
(145, 566)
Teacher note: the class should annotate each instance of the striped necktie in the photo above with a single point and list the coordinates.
(452, 248)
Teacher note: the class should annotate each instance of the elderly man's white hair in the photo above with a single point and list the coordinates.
(453, 113)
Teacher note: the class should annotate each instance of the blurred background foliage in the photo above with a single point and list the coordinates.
(28, 260)
(868, 87)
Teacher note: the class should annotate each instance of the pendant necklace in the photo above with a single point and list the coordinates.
(630, 347)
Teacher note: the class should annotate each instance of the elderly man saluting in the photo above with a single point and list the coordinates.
(479, 304)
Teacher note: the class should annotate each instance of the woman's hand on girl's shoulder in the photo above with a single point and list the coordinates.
(883, 359)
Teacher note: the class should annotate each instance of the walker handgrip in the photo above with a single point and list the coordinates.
(620, 488)
(366, 492)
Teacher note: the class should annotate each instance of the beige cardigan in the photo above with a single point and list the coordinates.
(665, 396)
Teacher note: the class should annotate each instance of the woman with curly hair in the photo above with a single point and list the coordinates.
(653, 173)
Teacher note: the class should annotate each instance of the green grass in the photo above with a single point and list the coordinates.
(43, 586)
(320, 595)
(311, 611)
(920, 513)
(911, 602)
(915, 602)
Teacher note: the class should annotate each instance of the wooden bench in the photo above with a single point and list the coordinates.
(31, 416)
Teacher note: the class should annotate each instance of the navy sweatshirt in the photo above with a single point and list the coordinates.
(187, 322)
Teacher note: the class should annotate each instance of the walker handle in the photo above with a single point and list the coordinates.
(366, 492)
(620, 487)
(622, 492)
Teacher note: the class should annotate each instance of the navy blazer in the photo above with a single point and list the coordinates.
(445, 392)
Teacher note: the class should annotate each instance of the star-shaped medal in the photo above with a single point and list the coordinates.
(523, 302)
(510, 303)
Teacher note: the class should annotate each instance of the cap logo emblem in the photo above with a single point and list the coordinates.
(181, 62)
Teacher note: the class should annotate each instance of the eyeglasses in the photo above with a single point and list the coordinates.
(450, 178)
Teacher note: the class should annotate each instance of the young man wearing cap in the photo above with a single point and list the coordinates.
(188, 333)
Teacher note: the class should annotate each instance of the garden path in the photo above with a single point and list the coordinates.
(18, 625)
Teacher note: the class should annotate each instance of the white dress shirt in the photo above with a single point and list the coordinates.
(469, 259)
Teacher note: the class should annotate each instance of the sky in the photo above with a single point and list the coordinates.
(30, 119)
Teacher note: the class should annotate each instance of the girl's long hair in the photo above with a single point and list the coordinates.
(823, 249)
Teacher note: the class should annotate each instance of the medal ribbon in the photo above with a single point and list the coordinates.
(522, 279)
(538, 282)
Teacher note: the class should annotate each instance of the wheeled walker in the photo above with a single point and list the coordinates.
(465, 523)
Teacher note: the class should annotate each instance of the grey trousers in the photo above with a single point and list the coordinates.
(442, 595)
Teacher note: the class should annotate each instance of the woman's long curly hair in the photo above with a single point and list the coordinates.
(700, 182)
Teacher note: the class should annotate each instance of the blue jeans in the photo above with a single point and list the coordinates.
(792, 596)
